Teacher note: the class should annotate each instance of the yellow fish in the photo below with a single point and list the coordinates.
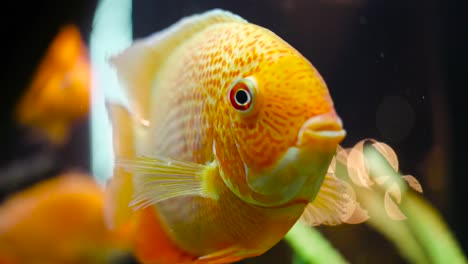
(227, 139)
(59, 93)
(59, 221)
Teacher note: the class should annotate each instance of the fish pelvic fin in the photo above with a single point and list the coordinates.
(138, 65)
(334, 204)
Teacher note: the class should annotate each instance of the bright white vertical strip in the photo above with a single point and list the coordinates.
(112, 32)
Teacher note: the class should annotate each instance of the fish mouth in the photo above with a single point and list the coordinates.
(296, 175)
(322, 131)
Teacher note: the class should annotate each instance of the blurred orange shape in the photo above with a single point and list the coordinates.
(59, 220)
(59, 93)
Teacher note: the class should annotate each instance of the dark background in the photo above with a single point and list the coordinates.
(396, 70)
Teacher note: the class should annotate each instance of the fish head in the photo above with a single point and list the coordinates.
(285, 131)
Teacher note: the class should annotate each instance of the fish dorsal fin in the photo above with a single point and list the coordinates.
(138, 65)
(335, 204)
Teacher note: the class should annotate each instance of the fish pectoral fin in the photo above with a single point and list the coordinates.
(159, 178)
(334, 204)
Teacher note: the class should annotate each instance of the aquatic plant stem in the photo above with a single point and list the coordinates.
(311, 246)
(429, 228)
(421, 238)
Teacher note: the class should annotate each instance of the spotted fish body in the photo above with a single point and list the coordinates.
(190, 101)
(179, 83)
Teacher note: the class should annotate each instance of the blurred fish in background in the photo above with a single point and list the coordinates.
(48, 95)
(59, 220)
(55, 100)
(59, 93)
(52, 211)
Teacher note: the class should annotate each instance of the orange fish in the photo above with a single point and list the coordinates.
(227, 139)
(58, 221)
(60, 90)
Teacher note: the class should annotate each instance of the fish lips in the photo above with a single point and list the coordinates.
(301, 170)
(321, 132)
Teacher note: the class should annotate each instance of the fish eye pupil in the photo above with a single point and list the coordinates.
(242, 97)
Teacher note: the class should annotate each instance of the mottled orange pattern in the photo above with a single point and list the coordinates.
(192, 110)
(191, 119)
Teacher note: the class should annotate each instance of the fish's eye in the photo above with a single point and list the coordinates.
(241, 95)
